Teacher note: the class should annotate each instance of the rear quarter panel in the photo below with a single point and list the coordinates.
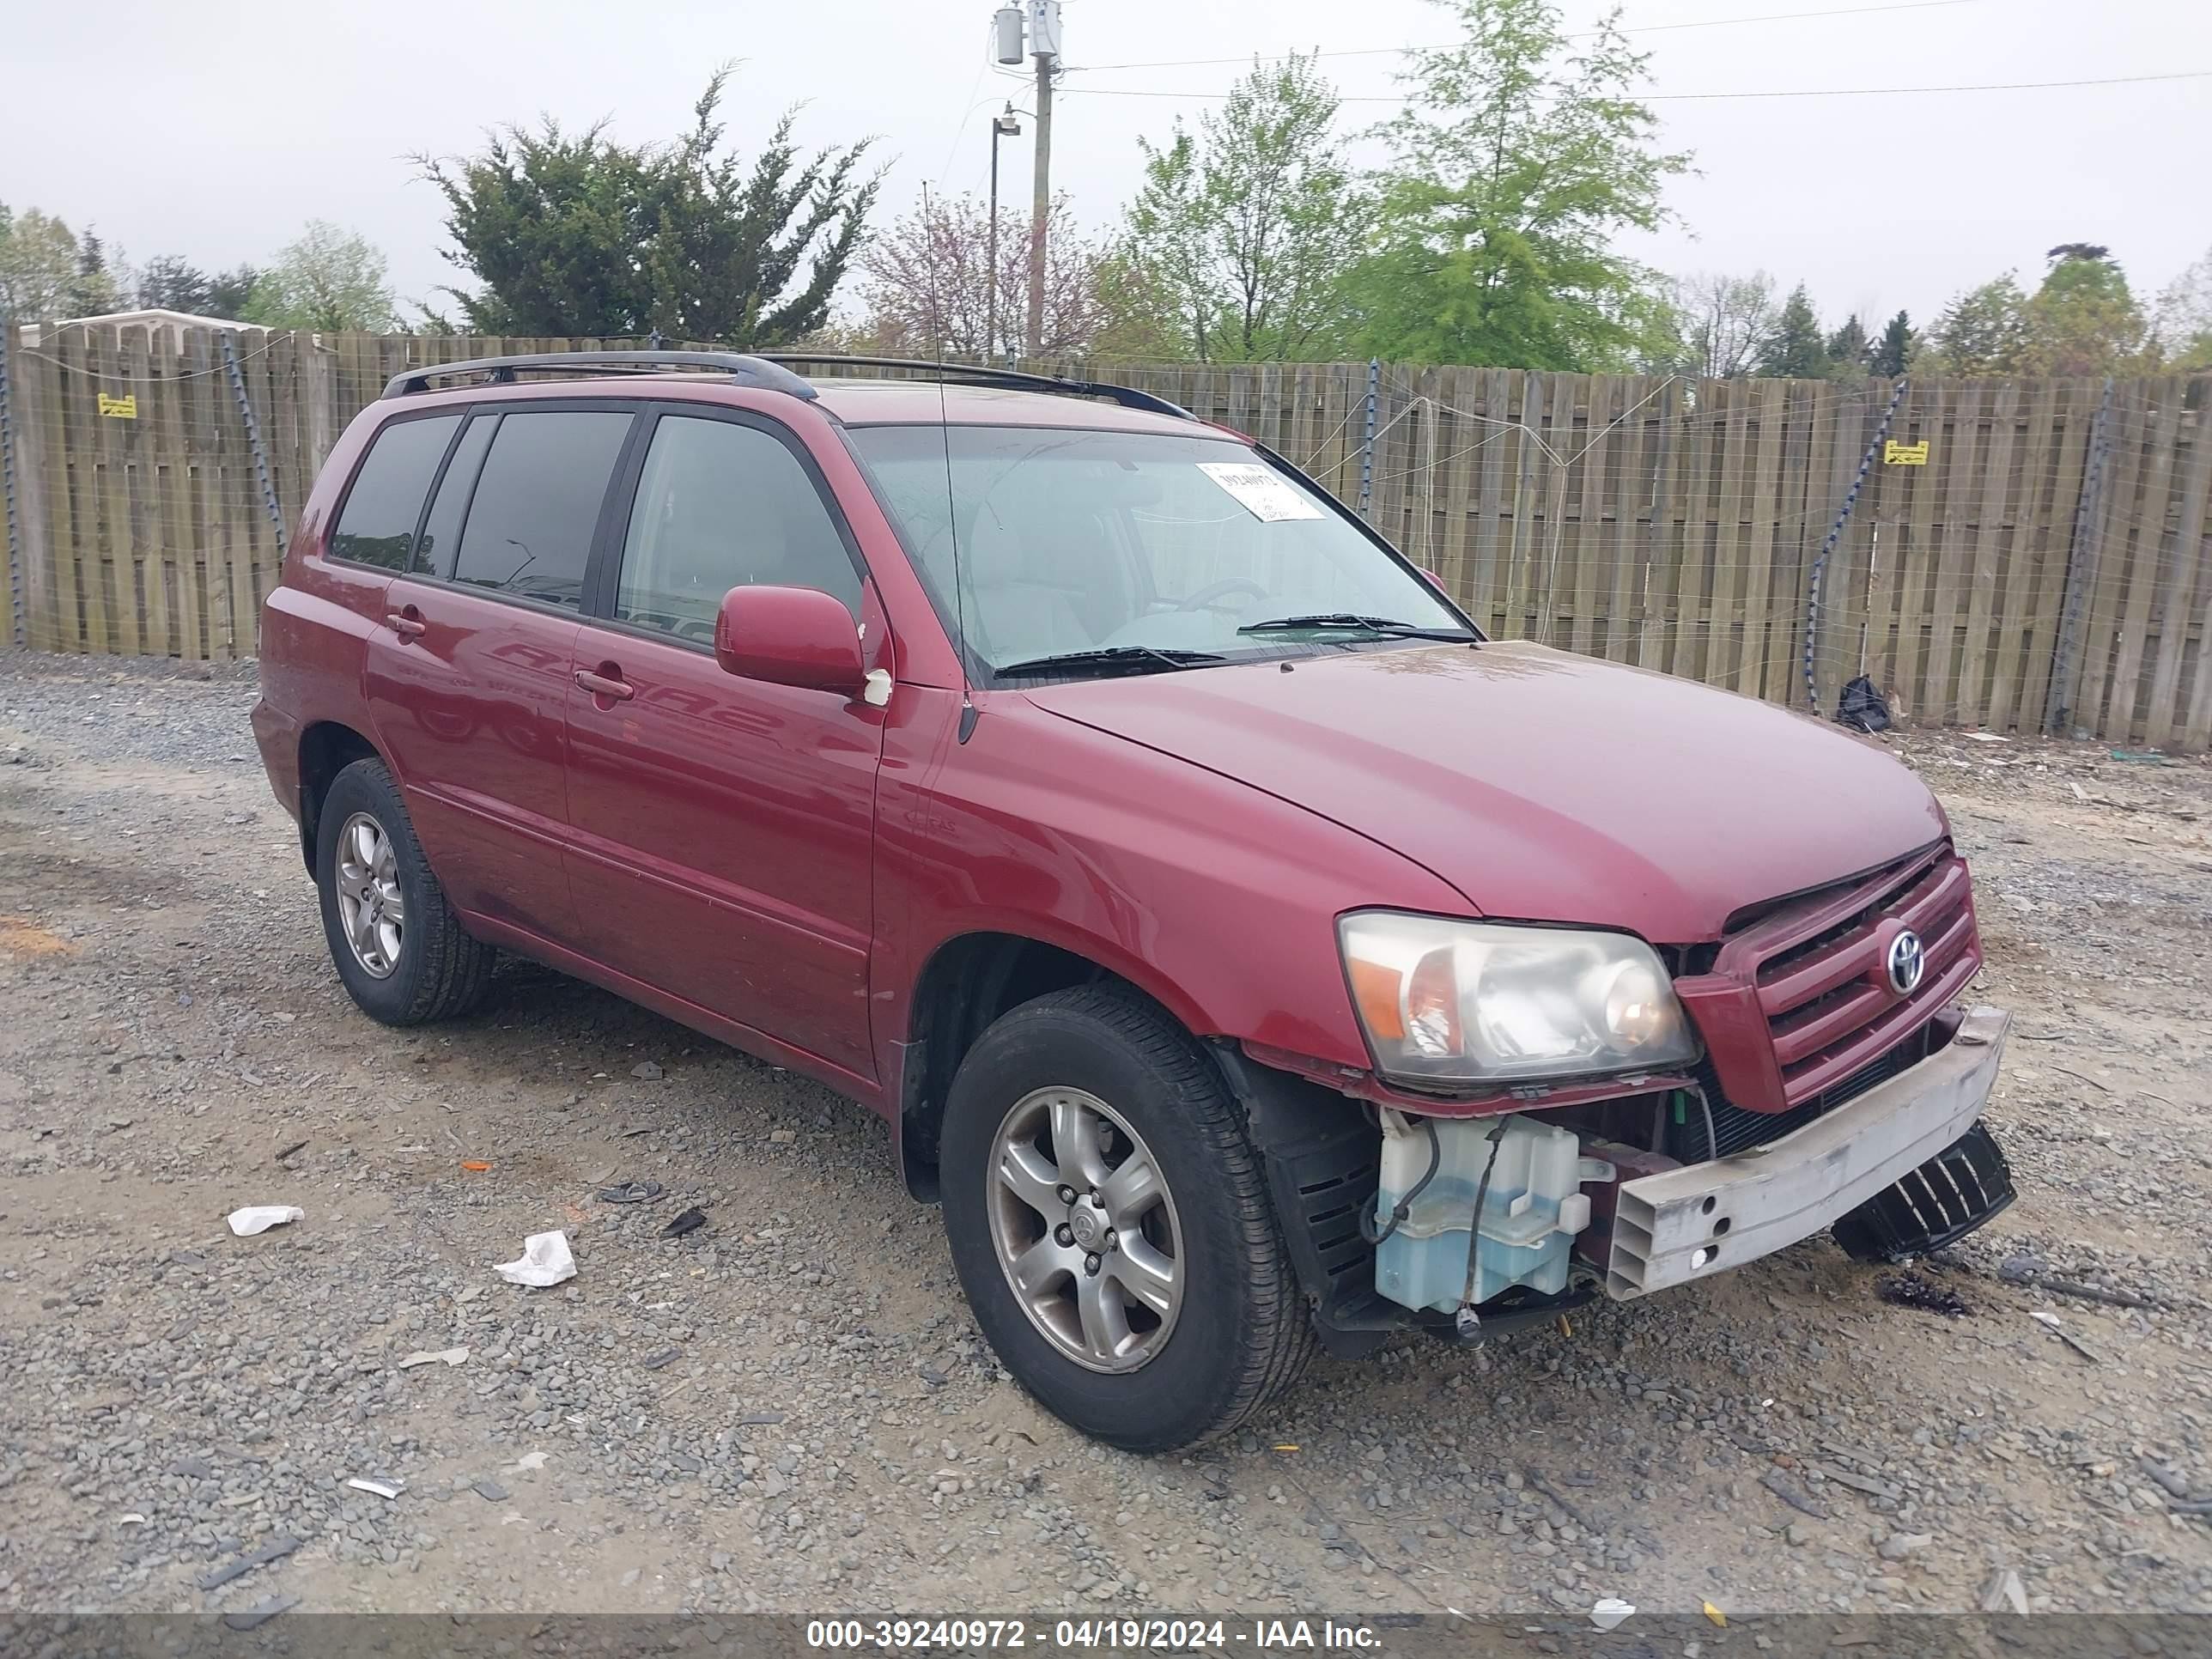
(315, 625)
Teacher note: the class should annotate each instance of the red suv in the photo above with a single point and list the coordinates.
(1246, 952)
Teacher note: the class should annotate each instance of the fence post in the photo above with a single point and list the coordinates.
(2080, 567)
(253, 436)
(15, 620)
(1835, 534)
(1367, 440)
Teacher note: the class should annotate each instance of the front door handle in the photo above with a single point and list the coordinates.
(407, 624)
(603, 685)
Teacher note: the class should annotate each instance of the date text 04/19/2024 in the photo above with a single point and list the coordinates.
(1090, 1634)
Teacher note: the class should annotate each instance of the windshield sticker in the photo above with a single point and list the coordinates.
(1260, 490)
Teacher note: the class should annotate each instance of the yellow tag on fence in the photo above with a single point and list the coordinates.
(1894, 454)
(120, 408)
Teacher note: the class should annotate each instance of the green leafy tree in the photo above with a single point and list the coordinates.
(2083, 319)
(1889, 353)
(576, 234)
(1983, 331)
(1522, 160)
(1246, 226)
(38, 264)
(1796, 349)
(329, 279)
(2182, 320)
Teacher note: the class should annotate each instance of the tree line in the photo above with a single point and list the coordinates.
(326, 278)
(1490, 234)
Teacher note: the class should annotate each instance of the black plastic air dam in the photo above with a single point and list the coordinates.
(1937, 1204)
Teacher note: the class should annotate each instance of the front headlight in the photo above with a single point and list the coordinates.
(1446, 1001)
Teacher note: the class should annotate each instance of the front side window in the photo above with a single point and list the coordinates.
(721, 506)
(1070, 542)
(376, 525)
(536, 503)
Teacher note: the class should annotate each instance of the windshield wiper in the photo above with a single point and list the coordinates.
(1381, 627)
(1111, 658)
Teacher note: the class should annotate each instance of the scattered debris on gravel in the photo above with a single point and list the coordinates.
(790, 1408)
(1911, 1290)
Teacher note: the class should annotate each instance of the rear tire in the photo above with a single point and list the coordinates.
(1234, 1332)
(399, 950)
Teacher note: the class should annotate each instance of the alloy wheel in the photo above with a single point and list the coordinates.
(370, 905)
(1085, 1230)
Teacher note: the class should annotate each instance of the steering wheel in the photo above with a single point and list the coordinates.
(1207, 595)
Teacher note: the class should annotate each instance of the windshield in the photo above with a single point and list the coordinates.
(1160, 550)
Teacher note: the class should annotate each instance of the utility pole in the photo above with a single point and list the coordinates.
(1002, 127)
(1045, 47)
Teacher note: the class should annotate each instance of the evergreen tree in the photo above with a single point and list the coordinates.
(573, 233)
(167, 283)
(228, 293)
(1893, 349)
(92, 290)
(1982, 330)
(1796, 349)
(1847, 351)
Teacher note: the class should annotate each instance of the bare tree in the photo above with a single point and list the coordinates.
(926, 285)
(1725, 322)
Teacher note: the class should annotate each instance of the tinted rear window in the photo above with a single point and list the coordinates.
(376, 525)
(433, 551)
(536, 503)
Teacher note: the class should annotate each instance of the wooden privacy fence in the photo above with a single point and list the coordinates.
(2025, 556)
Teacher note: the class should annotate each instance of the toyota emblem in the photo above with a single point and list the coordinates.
(1907, 961)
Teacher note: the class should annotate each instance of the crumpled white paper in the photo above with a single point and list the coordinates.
(544, 1261)
(260, 1218)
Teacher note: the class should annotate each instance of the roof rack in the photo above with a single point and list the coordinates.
(762, 373)
(982, 374)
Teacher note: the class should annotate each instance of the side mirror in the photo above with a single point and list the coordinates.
(790, 636)
(1433, 580)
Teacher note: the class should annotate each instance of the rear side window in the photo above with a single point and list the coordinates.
(434, 548)
(537, 503)
(376, 525)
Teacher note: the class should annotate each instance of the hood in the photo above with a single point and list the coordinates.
(1543, 785)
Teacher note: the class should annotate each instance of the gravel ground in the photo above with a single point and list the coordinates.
(791, 1408)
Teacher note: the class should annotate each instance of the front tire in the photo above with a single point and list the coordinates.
(1156, 1307)
(399, 950)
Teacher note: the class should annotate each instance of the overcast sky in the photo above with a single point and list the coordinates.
(214, 131)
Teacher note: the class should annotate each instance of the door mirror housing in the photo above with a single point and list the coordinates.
(797, 636)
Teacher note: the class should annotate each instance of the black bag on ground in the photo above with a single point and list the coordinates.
(1863, 707)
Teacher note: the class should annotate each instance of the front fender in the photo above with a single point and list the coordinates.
(1215, 899)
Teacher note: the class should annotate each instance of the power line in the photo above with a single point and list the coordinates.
(1706, 97)
(1646, 28)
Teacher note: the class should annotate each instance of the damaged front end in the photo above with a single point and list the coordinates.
(1393, 1225)
(1831, 1084)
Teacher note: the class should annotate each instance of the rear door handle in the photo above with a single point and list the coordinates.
(407, 624)
(601, 685)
